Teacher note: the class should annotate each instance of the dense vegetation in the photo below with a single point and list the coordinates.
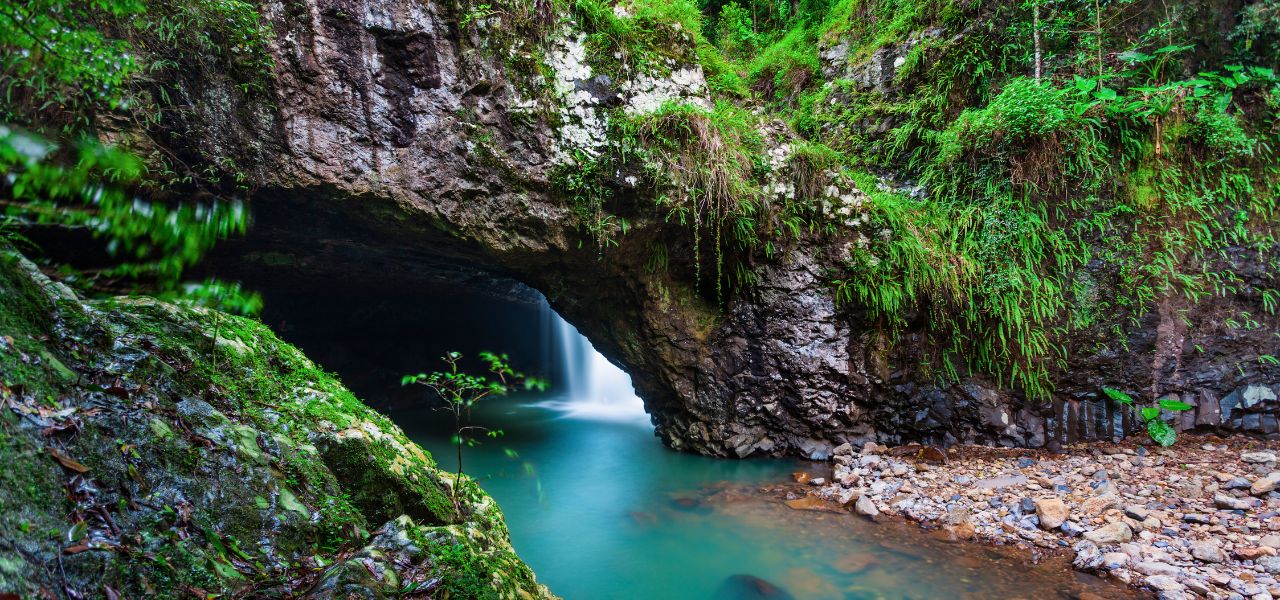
(1027, 171)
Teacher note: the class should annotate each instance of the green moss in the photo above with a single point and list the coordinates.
(223, 457)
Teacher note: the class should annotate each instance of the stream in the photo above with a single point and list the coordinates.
(599, 508)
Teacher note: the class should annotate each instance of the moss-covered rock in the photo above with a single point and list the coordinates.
(158, 449)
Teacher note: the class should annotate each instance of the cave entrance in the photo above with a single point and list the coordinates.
(371, 339)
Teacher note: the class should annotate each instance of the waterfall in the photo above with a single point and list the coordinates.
(588, 385)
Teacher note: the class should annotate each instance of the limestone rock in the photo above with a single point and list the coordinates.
(1096, 505)
(1230, 503)
(1258, 457)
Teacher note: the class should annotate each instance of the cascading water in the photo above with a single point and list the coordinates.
(592, 387)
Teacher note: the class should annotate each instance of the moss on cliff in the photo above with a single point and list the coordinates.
(167, 450)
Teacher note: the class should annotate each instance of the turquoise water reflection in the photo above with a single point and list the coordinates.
(602, 510)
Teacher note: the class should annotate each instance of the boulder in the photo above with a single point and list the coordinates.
(1053, 512)
(1264, 485)
(1207, 551)
(1113, 533)
(865, 507)
(1097, 505)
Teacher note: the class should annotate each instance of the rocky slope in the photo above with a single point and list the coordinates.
(152, 449)
(403, 139)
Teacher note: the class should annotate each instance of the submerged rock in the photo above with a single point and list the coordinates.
(750, 587)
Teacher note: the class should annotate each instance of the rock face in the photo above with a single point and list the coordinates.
(177, 452)
(399, 143)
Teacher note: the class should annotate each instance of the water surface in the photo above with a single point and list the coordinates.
(600, 509)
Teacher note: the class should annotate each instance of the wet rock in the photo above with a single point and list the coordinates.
(750, 587)
(812, 503)
(1113, 533)
(856, 562)
(1088, 557)
(1052, 512)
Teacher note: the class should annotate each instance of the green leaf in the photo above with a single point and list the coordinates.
(1118, 395)
(1161, 433)
(1174, 405)
(1150, 413)
(1085, 84)
(1105, 93)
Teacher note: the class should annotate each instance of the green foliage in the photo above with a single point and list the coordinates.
(64, 66)
(582, 183)
(705, 163)
(734, 33)
(88, 187)
(64, 61)
(655, 31)
(1160, 431)
(460, 391)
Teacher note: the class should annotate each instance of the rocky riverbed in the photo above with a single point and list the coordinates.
(1201, 519)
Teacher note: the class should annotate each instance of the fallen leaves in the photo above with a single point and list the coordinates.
(67, 462)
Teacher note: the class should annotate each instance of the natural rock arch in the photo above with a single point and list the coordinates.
(405, 143)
